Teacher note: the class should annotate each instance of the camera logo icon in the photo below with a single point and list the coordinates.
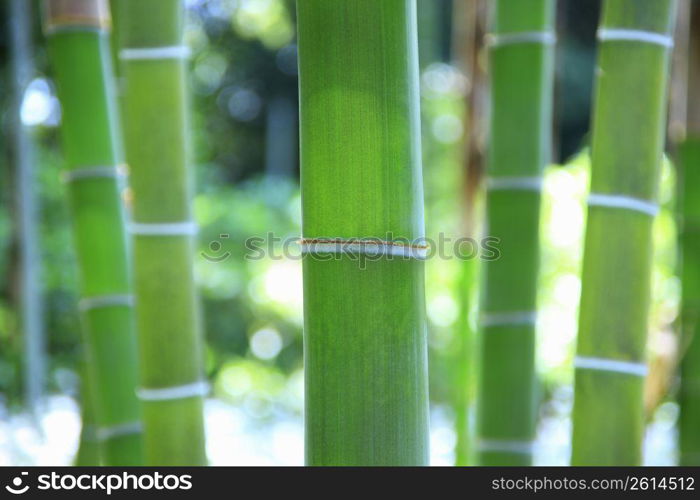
(16, 488)
(215, 247)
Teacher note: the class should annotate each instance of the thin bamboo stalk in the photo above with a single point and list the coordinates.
(627, 146)
(365, 346)
(27, 208)
(689, 239)
(153, 57)
(78, 40)
(469, 26)
(462, 366)
(521, 63)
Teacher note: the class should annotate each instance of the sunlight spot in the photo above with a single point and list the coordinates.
(443, 310)
(266, 343)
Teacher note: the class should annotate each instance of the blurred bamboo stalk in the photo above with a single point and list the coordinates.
(635, 37)
(365, 333)
(689, 239)
(469, 56)
(27, 206)
(153, 67)
(521, 49)
(78, 33)
(88, 454)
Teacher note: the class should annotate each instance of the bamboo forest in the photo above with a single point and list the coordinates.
(349, 232)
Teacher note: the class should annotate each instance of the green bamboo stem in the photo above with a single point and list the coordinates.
(79, 49)
(154, 97)
(88, 454)
(521, 53)
(462, 367)
(688, 180)
(469, 25)
(627, 146)
(365, 346)
(689, 397)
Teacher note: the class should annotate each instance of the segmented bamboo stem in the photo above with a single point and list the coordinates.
(153, 65)
(80, 54)
(521, 52)
(365, 347)
(627, 146)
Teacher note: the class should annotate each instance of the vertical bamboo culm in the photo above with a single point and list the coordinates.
(26, 204)
(154, 101)
(689, 395)
(469, 23)
(689, 240)
(627, 146)
(364, 319)
(88, 454)
(521, 65)
(78, 40)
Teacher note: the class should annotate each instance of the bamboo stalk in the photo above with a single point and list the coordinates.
(153, 57)
(27, 207)
(78, 40)
(521, 53)
(689, 240)
(627, 146)
(689, 396)
(88, 454)
(469, 25)
(365, 346)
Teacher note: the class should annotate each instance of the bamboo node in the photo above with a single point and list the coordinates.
(638, 369)
(495, 40)
(81, 173)
(118, 430)
(69, 15)
(101, 301)
(623, 202)
(155, 53)
(186, 228)
(525, 447)
(354, 246)
(514, 183)
(511, 318)
(195, 389)
(89, 433)
(630, 35)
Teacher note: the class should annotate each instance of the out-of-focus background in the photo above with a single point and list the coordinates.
(243, 81)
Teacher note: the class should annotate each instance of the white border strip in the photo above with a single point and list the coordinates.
(514, 183)
(627, 35)
(611, 365)
(195, 389)
(513, 318)
(155, 53)
(188, 228)
(100, 301)
(494, 40)
(624, 202)
(505, 446)
(90, 173)
(366, 248)
(118, 430)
